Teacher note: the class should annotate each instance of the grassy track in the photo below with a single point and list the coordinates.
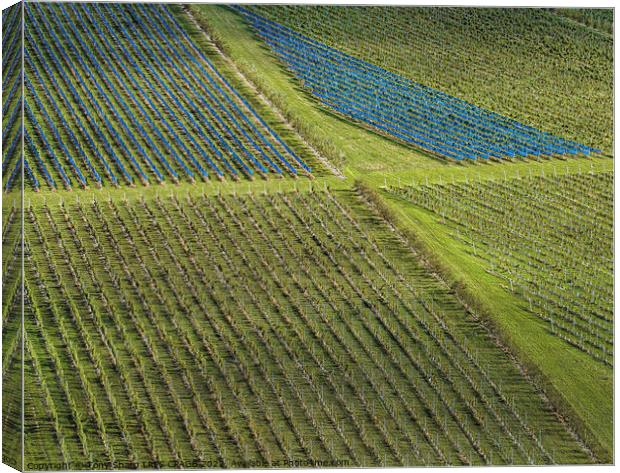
(229, 70)
(350, 148)
(549, 239)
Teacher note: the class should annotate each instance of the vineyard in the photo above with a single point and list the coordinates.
(528, 64)
(11, 328)
(166, 113)
(357, 357)
(11, 96)
(413, 113)
(600, 19)
(557, 257)
(238, 237)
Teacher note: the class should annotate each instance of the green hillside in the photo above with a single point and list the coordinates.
(334, 296)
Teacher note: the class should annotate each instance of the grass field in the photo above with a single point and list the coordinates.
(391, 309)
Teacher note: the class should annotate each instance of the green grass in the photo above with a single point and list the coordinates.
(360, 356)
(549, 238)
(527, 63)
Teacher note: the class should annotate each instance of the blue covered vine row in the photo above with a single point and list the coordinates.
(418, 115)
(119, 94)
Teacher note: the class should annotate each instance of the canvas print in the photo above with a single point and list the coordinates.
(275, 236)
